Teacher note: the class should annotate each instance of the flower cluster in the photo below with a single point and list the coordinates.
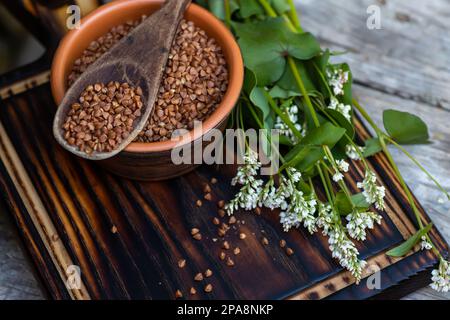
(342, 248)
(301, 209)
(358, 222)
(248, 196)
(344, 109)
(441, 277)
(352, 152)
(341, 166)
(337, 79)
(425, 244)
(373, 193)
(283, 128)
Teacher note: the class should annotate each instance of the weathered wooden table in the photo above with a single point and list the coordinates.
(404, 65)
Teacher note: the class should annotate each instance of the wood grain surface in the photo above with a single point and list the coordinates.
(378, 59)
(127, 237)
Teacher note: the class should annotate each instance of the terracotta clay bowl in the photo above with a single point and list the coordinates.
(150, 161)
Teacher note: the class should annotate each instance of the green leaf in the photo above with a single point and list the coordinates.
(279, 93)
(285, 141)
(404, 127)
(304, 158)
(343, 204)
(326, 134)
(258, 98)
(372, 147)
(287, 80)
(359, 201)
(322, 61)
(346, 206)
(250, 8)
(406, 246)
(280, 6)
(348, 92)
(218, 9)
(249, 81)
(266, 44)
(342, 122)
(306, 154)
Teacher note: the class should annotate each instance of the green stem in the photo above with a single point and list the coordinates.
(322, 77)
(325, 185)
(381, 138)
(301, 86)
(367, 117)
(392, 141)
(227, 13)
(283, 116)
(341, 183)
(294, 16)
(270, 11)
(261, 125)
(347, 137)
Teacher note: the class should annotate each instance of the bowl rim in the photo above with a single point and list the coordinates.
(235, 82)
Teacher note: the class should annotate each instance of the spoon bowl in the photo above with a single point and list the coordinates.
(139, 59)
(115, 71)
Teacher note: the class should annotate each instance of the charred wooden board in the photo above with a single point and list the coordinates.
(66, 209)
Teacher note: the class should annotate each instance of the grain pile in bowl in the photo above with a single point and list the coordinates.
(103, 117)
(193, 85)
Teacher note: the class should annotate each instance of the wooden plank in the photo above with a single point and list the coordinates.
(17, 280)
(40, 218)
(153, 222)
(408, 57)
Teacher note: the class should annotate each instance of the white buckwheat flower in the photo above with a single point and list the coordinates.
(358, 222)
(342, 248)
(300, 210)
(283, 128)
(344, 109)
(338, 176)
(248, 196)
(373, 193)
(268, 196)
(352, 153)
(337, 79)
(342, 165)
(441, 277)
(425, 244)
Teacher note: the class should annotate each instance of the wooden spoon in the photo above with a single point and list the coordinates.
(138, 59)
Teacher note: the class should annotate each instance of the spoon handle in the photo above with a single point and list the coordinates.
(152, 37)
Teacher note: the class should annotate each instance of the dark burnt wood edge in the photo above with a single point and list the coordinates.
(28, 234)
(411, 281)
(27, 71)
(35, 271)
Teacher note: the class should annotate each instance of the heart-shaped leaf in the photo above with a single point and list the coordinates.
(266, 44)
(405, 128)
